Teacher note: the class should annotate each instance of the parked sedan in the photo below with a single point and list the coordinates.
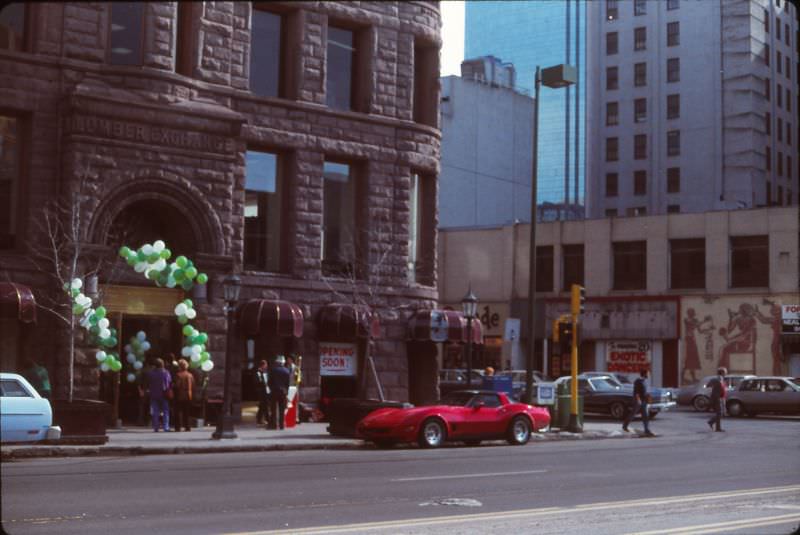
(604, 394)
(469, 416)
(25, 416)
(698, 394)
(765, 394)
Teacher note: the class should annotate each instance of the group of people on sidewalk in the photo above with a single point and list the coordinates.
(641, 399)
(273, 390)
(163, 391)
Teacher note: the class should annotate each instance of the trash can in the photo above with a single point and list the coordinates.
(563, 409)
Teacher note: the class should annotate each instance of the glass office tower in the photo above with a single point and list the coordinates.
(544, 33)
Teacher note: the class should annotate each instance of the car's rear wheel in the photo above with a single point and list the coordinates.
(617, 410)
(519, 431)
(735, 408)
(700, 403)
(432, 433)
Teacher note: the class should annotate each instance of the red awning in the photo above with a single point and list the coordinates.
(259, 317)
(345, 322)
(442, 326)
(17, 301)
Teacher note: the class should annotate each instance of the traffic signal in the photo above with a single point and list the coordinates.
(556, 331)
(565, 336)
(578, 299)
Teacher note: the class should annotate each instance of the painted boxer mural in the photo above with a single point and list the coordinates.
(742, 334)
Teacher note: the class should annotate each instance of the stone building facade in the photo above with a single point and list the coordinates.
(160, 116)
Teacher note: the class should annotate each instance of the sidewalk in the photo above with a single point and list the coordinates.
(307, 436)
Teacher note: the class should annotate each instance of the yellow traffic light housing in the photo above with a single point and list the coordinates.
(578, 299)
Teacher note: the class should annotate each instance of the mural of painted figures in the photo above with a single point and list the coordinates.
(741, 333)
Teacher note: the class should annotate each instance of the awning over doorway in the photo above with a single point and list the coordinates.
(259, 317)
(442, 326)
(17, 301)
(347, 322)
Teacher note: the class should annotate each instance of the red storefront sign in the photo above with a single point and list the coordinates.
(628, 356)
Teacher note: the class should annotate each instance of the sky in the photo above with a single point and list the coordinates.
(452, 37)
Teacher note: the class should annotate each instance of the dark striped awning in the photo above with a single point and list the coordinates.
(17, 301)
(346, 323)
(259, 317)
(442, 326)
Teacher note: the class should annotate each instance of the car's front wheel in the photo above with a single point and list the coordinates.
(432, 433)
(735, 408)
(519, 432)
(700, 403)
(617, 410)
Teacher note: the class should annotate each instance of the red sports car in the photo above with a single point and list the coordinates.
(463, 416)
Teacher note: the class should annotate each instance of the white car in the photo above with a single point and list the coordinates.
(25, 416)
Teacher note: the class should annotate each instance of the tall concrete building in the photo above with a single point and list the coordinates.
(542, 33)
(692, 106)
(487, 130)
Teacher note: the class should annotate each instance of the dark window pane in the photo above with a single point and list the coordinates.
(640, 74)
(674, 180)
(263, 212)
(127, 20)
(611, 184)
(544, 268)
(12, 26)
(265, 54)
(639, 7)
(339, 73)
(673, 208)
(612, 113)
(612, 11)
(612, 149)
(640, 110)
(9, 178)
(688, 263)
(630, 265)
(674, 143)
(612, 43)
(339, 220)
(673, 34)
(640, 147)
(749, 261)
(612, 78)
(573, 265)
(673, 106)
(640, 182)
(639, 38)
(673, 70)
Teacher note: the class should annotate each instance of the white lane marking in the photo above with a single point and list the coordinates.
(732, 525)
(459, 476)
(474, 519)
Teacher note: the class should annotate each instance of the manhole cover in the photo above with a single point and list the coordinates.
(461, 502)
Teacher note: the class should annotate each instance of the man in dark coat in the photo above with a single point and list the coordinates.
(718, 394)
(262, 384)
(278, 391)
(639, 404)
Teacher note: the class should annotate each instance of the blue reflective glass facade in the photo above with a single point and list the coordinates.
(544, 33)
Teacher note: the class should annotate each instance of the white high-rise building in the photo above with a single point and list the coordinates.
(691, 106)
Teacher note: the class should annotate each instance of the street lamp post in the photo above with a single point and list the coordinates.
(555, 77)
(470, 308)
(231, 287)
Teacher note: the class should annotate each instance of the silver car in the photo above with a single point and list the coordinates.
(698, 394)
(765, 394)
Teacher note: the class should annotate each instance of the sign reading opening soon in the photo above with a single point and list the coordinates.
(628, 356)
(337, 359)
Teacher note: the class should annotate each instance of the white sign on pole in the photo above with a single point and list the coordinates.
(512, 330)
(337, 359)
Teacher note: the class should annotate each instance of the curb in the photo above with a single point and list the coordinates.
(31, 452)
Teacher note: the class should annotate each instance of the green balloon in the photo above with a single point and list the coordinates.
(77, 309)
(93, 319)
(178, 275)
(116, 366)
(182, 261)
(188, 303)
(204, 356)
(100, 312)
(182, 320)
(203, 338)
(74, 292)
(202, 278)
(140, 256)
(152, 258)
(186, 285)
(188, 330)
(124, 251)
(191, 272)
(165, 254)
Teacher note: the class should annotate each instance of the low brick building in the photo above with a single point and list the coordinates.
(294, 143)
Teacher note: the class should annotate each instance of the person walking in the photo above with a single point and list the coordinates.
(718, 394)
(639, 404)
(262, 384)
(279, 392)
(160, 383)
(184, 386)
(37, 376)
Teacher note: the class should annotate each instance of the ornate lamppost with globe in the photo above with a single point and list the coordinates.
(231, 288)
(469, 306)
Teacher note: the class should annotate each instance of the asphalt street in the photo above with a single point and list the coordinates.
(686, 480)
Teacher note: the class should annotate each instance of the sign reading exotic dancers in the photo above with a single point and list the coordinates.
(628, 356)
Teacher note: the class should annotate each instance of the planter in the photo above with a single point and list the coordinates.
(83, 421)
(344, 413)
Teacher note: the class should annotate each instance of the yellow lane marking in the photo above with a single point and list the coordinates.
(526, 513)
(733, 525)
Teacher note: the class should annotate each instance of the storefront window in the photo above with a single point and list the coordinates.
(127, 29)
(9, 179)
(263, 211)
(339, 229)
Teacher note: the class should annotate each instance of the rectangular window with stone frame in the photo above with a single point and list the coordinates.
(186, 38)
(612, 113)
(612, 78)
(640, 74)
(674, 143)
(687, 264)
(15, 27)
(674, 106)
(343, 197)
(612, 10)
(640, 147)
(421, 228)
(126, 30)
(265, 206)
(612, 43)
(347, 82)
(640, 182)
(640, 38)
(268, 53)
(612, 184)
(426, 82)
(544, 268)
(640, 110)
(572, 262)
(673, 33)
(13, 140)
(639, 7)
(629, 265)
(673, 180)
(612, 149)
(749, 261)
(673, 70)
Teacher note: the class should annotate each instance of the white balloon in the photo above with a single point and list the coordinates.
(131, 378)
(207, 366)
(158, 246)
(180, 309)
(76, 283)
(140, 267)
(159, 264)
(105, 333)
(196, 349)
(147, 249)
(138, 365)
(131, 358)
(141, 336)
(103, 323)
(128, 348)
(100, 356)
(145, 346)
(195, 357)
(105, 367)
(191, 313)
(171, 282)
